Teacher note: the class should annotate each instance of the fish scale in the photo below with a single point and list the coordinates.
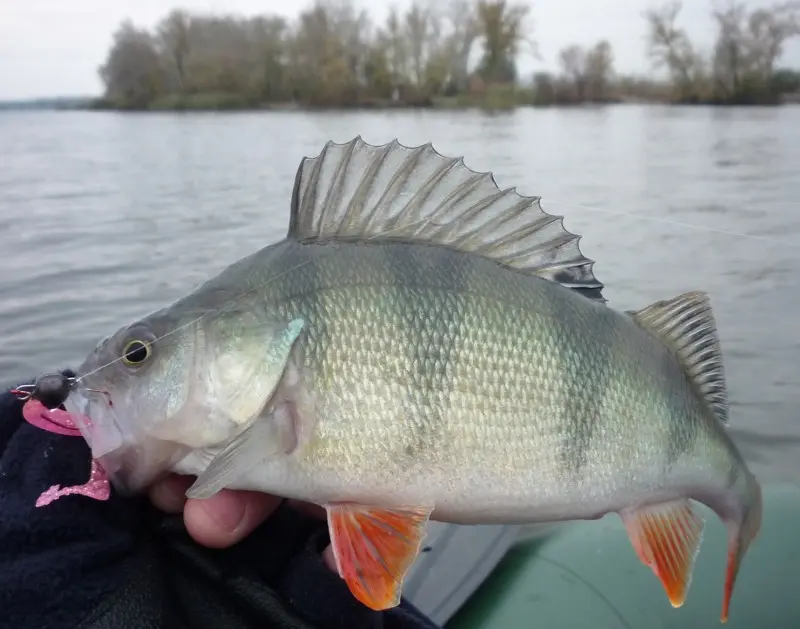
(423, 345)
(497, 334)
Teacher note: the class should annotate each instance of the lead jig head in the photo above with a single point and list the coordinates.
(51, 389)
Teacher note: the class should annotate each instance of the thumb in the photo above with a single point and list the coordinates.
(228, 516)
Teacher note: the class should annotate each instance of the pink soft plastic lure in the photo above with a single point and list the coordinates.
(59, 422)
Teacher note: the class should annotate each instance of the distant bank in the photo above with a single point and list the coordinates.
(493, 100)
(54, 103)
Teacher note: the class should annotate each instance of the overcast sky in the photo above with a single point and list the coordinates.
(54, 47)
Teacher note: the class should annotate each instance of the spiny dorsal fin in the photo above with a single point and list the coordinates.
(358, 191)
(686, 324)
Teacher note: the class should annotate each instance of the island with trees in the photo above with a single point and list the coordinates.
(446, 53)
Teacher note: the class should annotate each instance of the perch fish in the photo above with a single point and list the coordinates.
(423, 345)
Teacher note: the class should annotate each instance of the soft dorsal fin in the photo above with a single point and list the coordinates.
(686, 325)
(358, 191)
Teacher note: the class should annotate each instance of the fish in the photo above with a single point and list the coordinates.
(423, 345)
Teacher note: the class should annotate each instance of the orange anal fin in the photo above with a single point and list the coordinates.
(666, 537)
(374, 548)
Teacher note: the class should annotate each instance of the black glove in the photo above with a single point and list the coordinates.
(83, 563)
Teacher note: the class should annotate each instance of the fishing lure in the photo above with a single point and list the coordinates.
(51, 389)
(42, 402)
(42, 408)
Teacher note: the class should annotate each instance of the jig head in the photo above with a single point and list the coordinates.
(51, 389)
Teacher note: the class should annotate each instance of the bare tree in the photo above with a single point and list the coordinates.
(770, 29)
(222, 56)
(317, 61)
(422, 33)
(545, 89)
(669, 47)
(172, 37)
(331, 54)
(599, 71)
(731, 58)
(748, 46)
(392, 41)
(503, 30)
(572, 60)
(462, 22)
(132, 72)
(270, 41)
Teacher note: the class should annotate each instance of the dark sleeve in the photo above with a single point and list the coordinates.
(323, 598)
(83, 563)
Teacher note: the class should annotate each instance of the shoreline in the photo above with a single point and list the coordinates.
(206, 103)
(471, 104)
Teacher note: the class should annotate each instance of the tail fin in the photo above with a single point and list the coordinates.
(741, 533)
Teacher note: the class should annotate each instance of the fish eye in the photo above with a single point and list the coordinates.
(136, 352)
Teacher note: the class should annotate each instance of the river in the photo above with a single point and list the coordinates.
(107, 216)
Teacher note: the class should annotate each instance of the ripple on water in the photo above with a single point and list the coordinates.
(105, 217)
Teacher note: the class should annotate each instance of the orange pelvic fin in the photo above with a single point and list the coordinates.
(666, 537)
(374, 548)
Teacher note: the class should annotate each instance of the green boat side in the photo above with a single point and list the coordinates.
(581, 574)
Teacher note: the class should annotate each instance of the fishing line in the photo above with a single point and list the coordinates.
(633, 215)
(667, 221)
(246, 293)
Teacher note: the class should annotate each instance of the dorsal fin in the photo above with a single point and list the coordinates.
(358, 191)
(686, 325)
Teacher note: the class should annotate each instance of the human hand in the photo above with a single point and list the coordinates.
(227, 517)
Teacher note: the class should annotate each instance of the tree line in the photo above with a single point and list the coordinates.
(434, 53)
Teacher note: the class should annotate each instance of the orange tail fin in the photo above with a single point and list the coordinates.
(740, 535)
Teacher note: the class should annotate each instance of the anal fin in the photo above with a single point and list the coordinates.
(374, 548)
(667, 537)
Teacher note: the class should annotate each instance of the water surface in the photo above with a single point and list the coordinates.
(105, 217)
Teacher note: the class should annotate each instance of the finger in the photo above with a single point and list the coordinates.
(329, 559)
(228, 516)
(169, 494)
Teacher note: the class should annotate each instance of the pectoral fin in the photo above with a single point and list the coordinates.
(243, 390)
(374, 549)
(666, 537)
(266, 436)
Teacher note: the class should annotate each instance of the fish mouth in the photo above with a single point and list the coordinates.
(93, 414)
(131, 462)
